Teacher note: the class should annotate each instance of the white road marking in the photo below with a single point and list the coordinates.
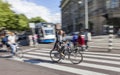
(87, 59)
(104, 67)
(48, 50)
(97, 56)
(75, 70)
(65, 68)
(103, 53)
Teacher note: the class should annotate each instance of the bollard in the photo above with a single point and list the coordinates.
(110, 42)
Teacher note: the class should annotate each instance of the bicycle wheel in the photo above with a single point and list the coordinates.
(19, 53)
(76, 57)
(55, 55)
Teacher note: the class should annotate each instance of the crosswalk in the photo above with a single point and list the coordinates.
(94, 63)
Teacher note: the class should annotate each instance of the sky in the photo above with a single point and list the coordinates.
(47, 9)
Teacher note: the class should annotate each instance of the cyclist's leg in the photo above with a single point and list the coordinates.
(55, 45)
(13, 48)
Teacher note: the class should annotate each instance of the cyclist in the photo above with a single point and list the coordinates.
(59, 37)
(12, 42)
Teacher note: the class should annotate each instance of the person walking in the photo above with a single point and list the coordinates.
(81, 41)
(87, 37)
(74, 39)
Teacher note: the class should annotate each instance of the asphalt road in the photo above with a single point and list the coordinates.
(10, 67)
(37, 62)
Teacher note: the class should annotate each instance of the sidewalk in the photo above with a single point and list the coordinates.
(102, 42)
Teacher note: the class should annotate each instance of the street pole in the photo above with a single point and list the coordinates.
(110, 42)
(74, 24)
(86, 14)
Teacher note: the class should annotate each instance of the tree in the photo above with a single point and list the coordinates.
(37, 20)
(10, 20)
(23, 22)
(5, 13)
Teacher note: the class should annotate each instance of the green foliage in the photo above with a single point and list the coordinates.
(37, 20)
(5, 13)
(22, 22)
(12, 21)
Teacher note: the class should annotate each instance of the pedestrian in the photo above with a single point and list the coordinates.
(87, 37)
(81, 41)
(74, 39)
(30, 40)
(34, 37)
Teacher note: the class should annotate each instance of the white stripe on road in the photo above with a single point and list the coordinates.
(87, 59)
(48, 50)
(45, 49)
(26, 50)
(64, 68)
(104, 67)
(97, 56)
(70, 69)
(103, 53)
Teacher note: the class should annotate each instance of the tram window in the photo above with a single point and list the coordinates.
(49, 32)
(41, 33)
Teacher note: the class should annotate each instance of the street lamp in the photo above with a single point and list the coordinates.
(86, 13)
(74, 23)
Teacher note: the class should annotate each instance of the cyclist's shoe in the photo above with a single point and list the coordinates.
(63, 56)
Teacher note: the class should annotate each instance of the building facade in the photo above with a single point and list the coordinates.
(101, 13)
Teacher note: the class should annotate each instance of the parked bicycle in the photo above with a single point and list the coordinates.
(61, 51)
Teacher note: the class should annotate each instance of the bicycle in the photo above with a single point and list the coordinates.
(55, 53)
(74, 55)
(19, 52)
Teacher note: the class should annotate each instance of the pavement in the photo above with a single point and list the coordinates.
(103, 42)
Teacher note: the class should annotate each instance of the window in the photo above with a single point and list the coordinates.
(41, 33)
(112, 4)
(49, 32)
(108, 4)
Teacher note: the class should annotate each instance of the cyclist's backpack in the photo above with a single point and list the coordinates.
(5, 39)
